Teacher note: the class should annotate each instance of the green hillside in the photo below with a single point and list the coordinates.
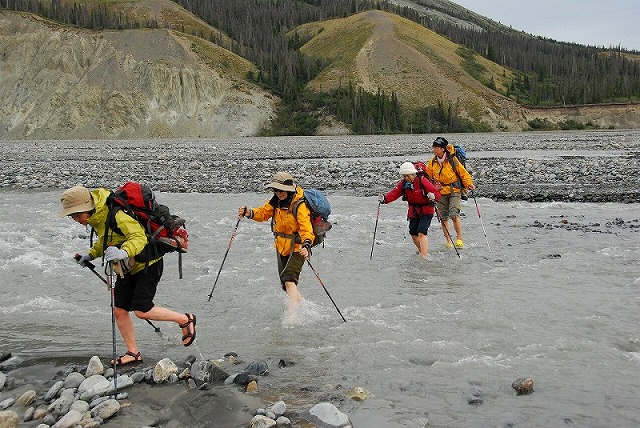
(377, 66)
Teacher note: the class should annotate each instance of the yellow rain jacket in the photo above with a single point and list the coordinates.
(446, 175)
(133, 238)
(285, 226)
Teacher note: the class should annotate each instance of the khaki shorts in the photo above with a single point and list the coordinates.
(289, 268)
(449, 206)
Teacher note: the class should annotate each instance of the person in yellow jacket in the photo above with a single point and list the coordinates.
(450, 177)
(293, 234)
(136, 289)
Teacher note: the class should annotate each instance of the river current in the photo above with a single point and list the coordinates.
(549, 291)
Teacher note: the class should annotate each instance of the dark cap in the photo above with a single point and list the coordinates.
(440, 142)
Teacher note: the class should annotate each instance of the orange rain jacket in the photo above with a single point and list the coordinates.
(446, 175)
(284, 225)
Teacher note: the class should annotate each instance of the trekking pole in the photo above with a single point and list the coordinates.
(375, 229)
(446, 230)
(92, 268)
(473, 195)
(325, 289)
(112, 285)
(233, 236)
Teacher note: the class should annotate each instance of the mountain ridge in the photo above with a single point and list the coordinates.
(194, 88)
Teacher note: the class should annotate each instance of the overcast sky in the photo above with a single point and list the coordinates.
(588, 22)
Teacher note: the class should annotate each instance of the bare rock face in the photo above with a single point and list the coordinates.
(68, 84)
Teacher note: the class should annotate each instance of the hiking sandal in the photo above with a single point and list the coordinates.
(189, 335)
(137, 358)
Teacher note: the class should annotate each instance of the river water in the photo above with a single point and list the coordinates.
(555, 298)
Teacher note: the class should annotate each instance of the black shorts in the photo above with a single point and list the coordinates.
(136, 292)
(420, 224)
(289, 268)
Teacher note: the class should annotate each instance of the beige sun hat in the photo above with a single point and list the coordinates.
(76, 200)
(282, 181)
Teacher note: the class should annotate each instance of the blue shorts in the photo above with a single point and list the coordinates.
(420, 224)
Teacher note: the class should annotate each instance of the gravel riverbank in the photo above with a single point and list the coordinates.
(593, 166)
(56, 393)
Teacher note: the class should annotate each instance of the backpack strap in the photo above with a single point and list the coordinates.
(111, 226)
(294, 209)
(295, 206)
(417, 208)
(453, 160)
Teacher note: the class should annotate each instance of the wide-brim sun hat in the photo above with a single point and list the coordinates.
(408, 168)
(282, 181)
(76, 200)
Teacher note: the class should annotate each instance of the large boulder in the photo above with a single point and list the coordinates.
(207, 372)
(8, 419)
(326, 415)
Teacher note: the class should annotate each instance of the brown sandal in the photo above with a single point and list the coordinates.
(189, 335)
(136, 359)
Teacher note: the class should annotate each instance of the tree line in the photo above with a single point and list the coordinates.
(547, 72)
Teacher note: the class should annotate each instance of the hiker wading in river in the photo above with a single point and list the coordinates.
(450, 177)
(135, 290)
(421, 196)
(293, 234)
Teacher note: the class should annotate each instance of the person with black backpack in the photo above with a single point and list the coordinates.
(293, 233)
(136, 284)
(451, 178)
(421, 196)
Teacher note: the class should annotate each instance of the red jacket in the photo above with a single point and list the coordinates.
(416, 197)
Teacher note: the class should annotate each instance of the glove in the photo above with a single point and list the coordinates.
(115, 253)
(381, 198)
(431, 196)
(242, 211)
(306, 244)
(82, 258)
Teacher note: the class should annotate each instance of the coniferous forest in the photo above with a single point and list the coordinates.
(548, 73)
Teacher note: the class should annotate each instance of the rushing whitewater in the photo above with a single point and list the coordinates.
(553, 295)
(556, 299)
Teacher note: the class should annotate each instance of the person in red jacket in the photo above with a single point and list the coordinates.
(421, 196)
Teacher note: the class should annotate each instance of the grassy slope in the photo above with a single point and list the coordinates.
(185, 24)
(377, 49)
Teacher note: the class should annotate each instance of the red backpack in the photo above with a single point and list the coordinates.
(421, 167)
(166, 233)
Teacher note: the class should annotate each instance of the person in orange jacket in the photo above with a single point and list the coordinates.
(450, 177)
(293, 234)
(421, 196)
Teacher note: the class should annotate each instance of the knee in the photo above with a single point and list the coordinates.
(119, 312)
(140, 314)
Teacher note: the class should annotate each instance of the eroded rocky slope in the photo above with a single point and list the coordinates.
(67, 84)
